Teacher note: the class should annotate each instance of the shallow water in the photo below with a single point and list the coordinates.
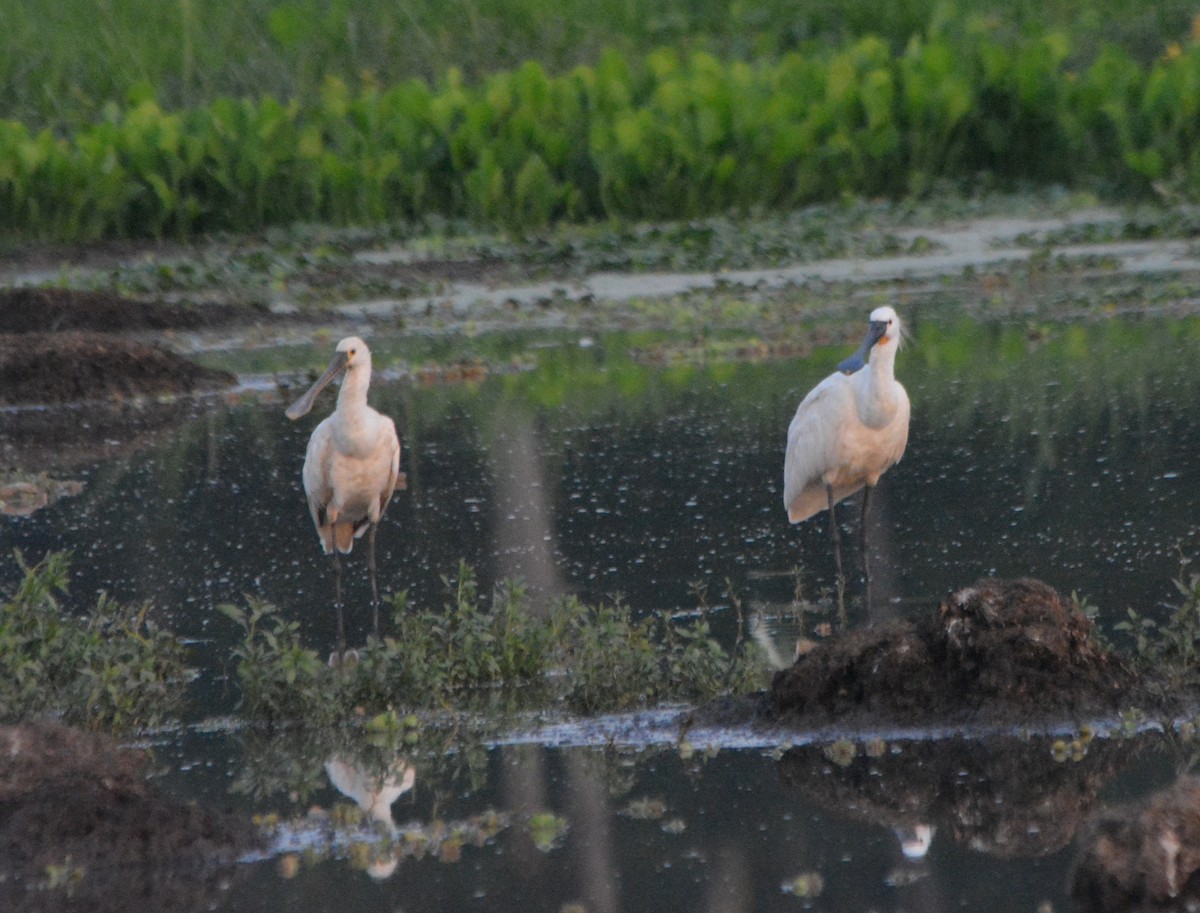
(1068, 453)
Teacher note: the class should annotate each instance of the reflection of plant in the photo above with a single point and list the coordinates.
(1171, 647)
(608, 660)
(116, 668)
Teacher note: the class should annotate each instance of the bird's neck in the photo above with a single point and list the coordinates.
(878, 399)
(354, 418)
(353, 394)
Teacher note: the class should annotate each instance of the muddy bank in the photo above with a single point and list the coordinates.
(55, 310)
(1001, 652)
(53, 368)
(81, 829)
(61, 346)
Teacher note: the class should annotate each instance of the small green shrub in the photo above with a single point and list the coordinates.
(114, 669)
(1170, 648)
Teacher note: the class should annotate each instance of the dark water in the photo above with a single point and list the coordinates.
(1071, 454)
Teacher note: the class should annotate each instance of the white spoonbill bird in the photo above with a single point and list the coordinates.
(849, 430)
(350, 468)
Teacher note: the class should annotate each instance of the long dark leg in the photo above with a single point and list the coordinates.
(837, 557)
(866, 553)
(337, 604)
(374, 584)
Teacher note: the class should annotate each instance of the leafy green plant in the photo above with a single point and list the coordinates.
(661, 134)
(1170, 647)
(594, 658)
(114, 669)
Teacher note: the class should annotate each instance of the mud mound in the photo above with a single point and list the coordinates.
(1008, 650)
(53, 310)
(1143, 857)
(72, 367)
(73, 800)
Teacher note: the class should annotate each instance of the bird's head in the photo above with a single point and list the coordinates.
(884, 329)
(355, 352)
(352, 354)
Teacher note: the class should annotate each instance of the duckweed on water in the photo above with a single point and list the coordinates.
(593, 658)
(114, 669)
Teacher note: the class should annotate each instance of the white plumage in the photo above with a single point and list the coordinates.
(352, 462)
(851, 428)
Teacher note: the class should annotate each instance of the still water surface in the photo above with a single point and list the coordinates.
(1066, 453)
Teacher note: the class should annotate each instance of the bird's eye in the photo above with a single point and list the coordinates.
(354, 351)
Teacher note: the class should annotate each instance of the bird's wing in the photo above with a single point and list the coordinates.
(811, 444)
(903, 412)
(317, 487)
(393, 441)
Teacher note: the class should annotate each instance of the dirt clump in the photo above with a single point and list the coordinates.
(55, 310)
(49, 368)
(1144, 856)
(1002, 651)
(77, 803)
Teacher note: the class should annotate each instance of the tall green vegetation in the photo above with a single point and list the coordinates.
(667, 135)
(63, 61)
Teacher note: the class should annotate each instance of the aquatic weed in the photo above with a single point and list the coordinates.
(1172, 648)
(594, 658)
(114, 669)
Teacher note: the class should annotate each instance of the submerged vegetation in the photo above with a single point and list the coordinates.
(658, 134)
(113, 669)
(591, 658)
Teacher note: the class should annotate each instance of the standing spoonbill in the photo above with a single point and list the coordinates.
(350, 468)
(849, 430)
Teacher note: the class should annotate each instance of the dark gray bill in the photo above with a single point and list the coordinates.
(304, 404)
(875, 331)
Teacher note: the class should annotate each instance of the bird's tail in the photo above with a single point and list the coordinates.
(343, 537)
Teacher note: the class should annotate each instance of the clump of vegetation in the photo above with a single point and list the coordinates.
(113, 669)
(662, 134)
(592, 658)
(1170, 648)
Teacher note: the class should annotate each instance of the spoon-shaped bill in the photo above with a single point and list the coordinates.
(304, 404)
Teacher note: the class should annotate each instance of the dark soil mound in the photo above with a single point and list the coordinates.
(53, 310)
(1008, 650)
(71, 367)
(76, 801)
(1143, 857)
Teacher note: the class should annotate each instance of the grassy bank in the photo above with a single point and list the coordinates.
(659, 135)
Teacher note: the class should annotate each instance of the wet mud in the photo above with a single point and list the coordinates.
(62, 346)
(56, 310)
(55, 368)
(1001, 652)
(81, 829)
